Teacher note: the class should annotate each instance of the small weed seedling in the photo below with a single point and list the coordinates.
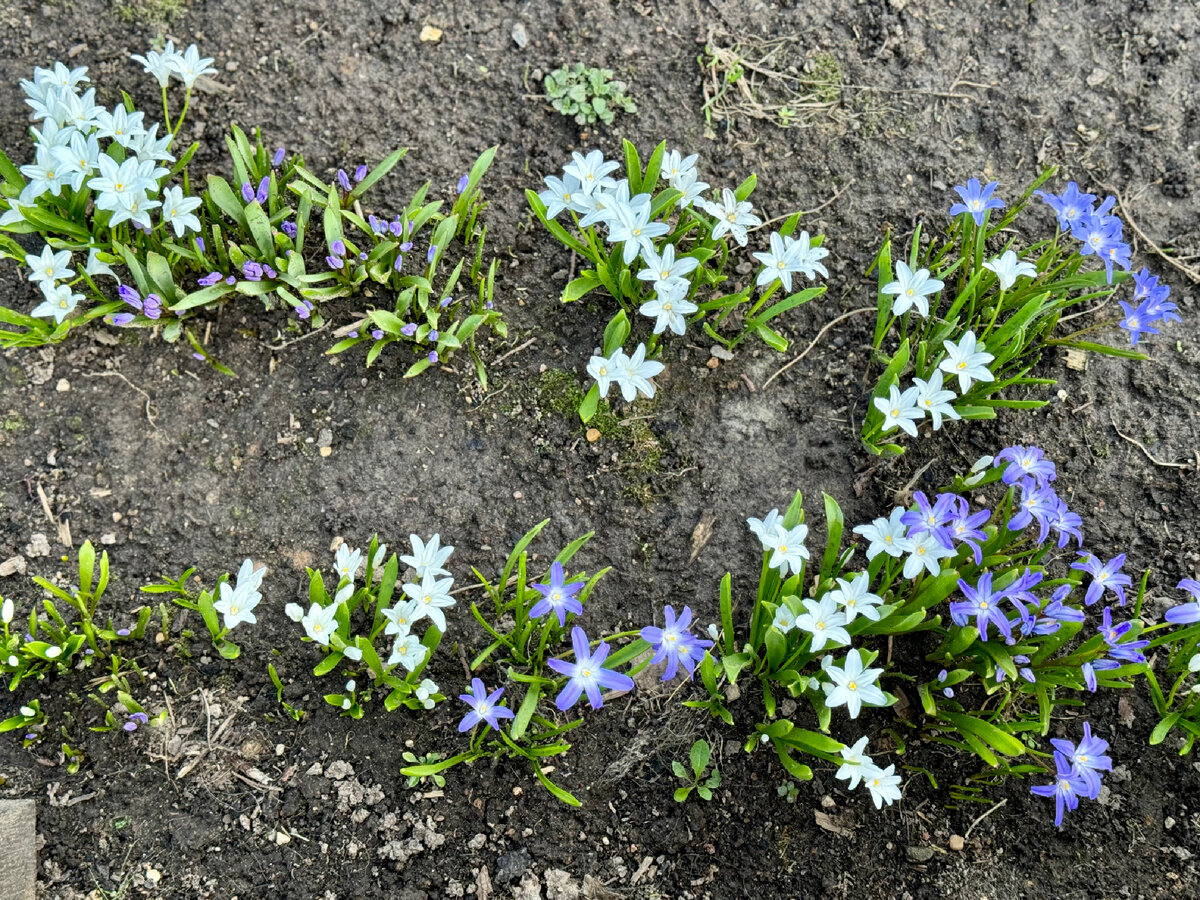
(588, 94)
(695, 780)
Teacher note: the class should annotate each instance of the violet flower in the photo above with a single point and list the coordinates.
(557, 596)
(484, 707)
(587, 675)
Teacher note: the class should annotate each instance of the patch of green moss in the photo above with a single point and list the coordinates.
(825, 77)
(14, 422)
(164, 11)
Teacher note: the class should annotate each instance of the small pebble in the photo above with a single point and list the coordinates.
(517, 495)
(593, 435)
(956, 842)
(63, 386)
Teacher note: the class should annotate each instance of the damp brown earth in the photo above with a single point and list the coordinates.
(169, 464)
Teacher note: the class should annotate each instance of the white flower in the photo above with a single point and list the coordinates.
(591, 171)
(249, 576)
(676, 167)
(320, 622)
(563, 193)
(294, 611)
(912, 289)
(401, 618)
(190, 65)
(432, 595)
(380, 556)
(778, 263)
(856, 762)
(408, 651)
(425, 691)
(732, 216)
(900, 409)
(6, 611)
(884, 784)
(785, 619)
(344, 593)
(888, 536)
(924, 553)
(177, 211)
(1008, 269)
(95, 267)
(933, 400)
(60, 76)
(968, 360)
(160, 65)
(669, 310)
(633, 374)
(824, 622)
(136, 209)
(667, 272)
(605, 203)
(853, 685)
(150, 147)
(788, 546)
(79, 111)
(351, 651)
(77, 159)
(120, 125)
(347, 562)
(691, 189)
(427, 558)
(769, 524)
(49, 267)
(60, 301)
(606, 369)
(805, 257)
(117, 182)
(631, 225)
(979, 469)
(237, 603)
(1193, 663)
(44, 174)
(855, 597)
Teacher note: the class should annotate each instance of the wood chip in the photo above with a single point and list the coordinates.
(431, 35)
(1076, 359)
(702, 534)
(829, 823)
(18, 856)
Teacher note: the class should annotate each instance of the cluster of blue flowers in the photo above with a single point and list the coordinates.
(586, 675)
(1077, 772)
(1099, 233)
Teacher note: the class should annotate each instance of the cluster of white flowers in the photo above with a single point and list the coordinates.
(425, 598)
(847, 683)
(884, 784)
(68, 156)
(237, 603)
(967, 360)
(631, 374)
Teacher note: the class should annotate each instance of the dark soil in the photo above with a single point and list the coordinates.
(204, 470)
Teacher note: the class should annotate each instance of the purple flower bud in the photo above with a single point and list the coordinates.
(152, 309)
(89, 652)
(199, 356)
(353, 334)
(405, 247)
(123, 632)
(140, 717)
(231, 280)
(433, 357)
(433, 335)
(397, 228)
(489, 305)
(252, 271)
(263, 187)
(432, 253)
(337, 248)
(289, 228)
(408, 331)
(334, 262)
(343, 180)
(269, 272)
(462, 184)
(377, 333)
(31, 736)
(373, 221)
(304, 310)
(363, 255)
(446, 301)
(130, 296)
(120, 319)
(948, 692)
(130, 726)
(943, 675)
(398, 265)
(200, 244)
(247, 192)
(278, 157)
(360, 173)
(210, 279)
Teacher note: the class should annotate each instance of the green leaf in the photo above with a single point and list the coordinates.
(633, 168)
(971, 726)
(834, 525)
(525, 711)
(580, 286)
(378, 172)
(260, 230)
(225, 199)
(699, 756)
(1159, 734)
(746, 188)
(202, 297)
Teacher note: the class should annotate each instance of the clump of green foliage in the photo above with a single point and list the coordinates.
(588, 94)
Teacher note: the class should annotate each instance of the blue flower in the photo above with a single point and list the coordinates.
(484, 707)
(984, 604)
(967, 529)
(1068, 787)
(1066, 523)
(1100, 236)
(674, 643)
(558, 596)
(1186, 613)
(1105, 576)
(934, 518)
(1070, 206)
(1137, 321)
(587, 674)
(976, 200)
(1088, 759)
(1036, 503)
(1127, 651)
(1025, 462)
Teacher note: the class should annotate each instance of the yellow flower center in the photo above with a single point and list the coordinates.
(852, 686)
